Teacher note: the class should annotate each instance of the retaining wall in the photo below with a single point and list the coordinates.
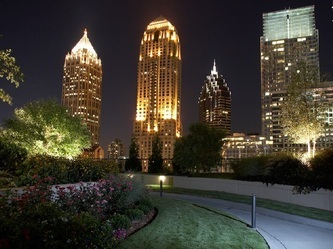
(321, 199)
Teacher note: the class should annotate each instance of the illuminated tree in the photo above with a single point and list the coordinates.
(198, 151)
(10, 71)
(133, 162)
(45, 127)
(155, 161)
(303, 108)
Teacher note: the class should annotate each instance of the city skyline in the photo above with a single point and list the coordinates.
(41, 34)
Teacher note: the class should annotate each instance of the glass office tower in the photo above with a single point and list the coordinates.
(289, 37)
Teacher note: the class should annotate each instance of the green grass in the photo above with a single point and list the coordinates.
(313, 213)
(183, 225)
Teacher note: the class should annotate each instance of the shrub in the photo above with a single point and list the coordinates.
(322, 170)
(63, 170)
(146, 202)
(285, 169)
(120, 221)
(134, 214)
(88, 215)
(249, 168)
(106, 197)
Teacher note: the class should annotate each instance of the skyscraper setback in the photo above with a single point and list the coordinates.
(82, 85)
(289, 37)
(215, 102)
(159, 90)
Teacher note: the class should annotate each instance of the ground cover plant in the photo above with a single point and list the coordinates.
(181, 225)
(87, 215)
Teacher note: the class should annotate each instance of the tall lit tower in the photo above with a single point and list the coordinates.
(215, 102)
(289, 36)
(158, 93)
(82, 85)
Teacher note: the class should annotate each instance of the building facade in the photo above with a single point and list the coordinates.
(158, 90)
(116, 150)
(289, 37)
(240, 145)
(215, 102)
(82, 85)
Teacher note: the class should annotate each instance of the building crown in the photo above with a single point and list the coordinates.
(84, 43)
(160, 22)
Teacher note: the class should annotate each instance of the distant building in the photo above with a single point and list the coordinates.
(289, 36)
(215, 102)
(240, 145)
(116, 150)
(159, 90)
(95, 152)
(82, 86)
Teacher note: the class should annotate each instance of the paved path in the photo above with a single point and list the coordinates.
(280, 230)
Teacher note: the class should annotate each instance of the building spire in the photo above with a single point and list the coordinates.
(214, 72)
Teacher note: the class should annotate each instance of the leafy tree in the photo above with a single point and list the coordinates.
(10, 71)
(303, 107)
(155, 160)
(45, 127)
(198, 151)
(11, 156)
(133, 162)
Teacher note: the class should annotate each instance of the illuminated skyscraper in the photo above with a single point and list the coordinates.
(215, 102)
(289, 36)
(82, 85)
(158, 92)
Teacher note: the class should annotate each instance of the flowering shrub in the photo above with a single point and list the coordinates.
(87, 215)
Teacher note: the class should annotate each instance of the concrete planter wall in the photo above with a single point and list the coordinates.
(321, 199)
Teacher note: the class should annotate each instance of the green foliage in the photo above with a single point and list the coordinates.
(198, 151)
(11, 156)
(45, 127)
(133, 163)
(120, 221)
(322, 170)
(250, 168)
(303, 107)
(108, 196)
(145, 205)
(86, 215)
(63, 170)
(10, 71)
(286, 170)
(134, 214)
(155, 160)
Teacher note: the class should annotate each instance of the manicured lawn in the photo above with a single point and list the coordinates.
(183, 225)
(308, 212)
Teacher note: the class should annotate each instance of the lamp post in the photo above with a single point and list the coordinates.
(162, 178)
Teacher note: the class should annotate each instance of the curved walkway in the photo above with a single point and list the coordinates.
(280, 230)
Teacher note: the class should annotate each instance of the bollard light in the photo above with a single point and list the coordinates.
(253, 223)
(162, 178)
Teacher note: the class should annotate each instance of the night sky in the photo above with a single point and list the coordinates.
(41, 33)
